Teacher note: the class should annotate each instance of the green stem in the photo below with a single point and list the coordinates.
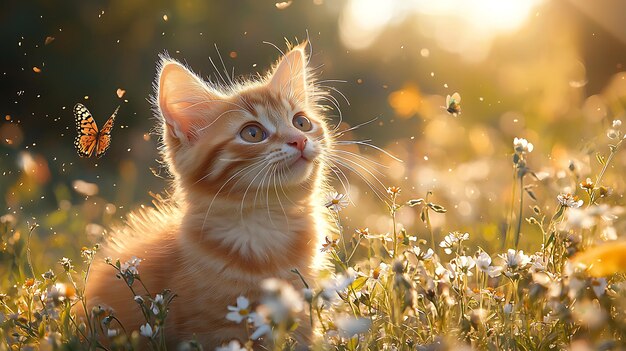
(356, 246)
(521, 208)
(511, 211)
(28, 259)
(601, 175)
(395, 231)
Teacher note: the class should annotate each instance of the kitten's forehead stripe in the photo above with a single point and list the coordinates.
(265, 98)
(250, 107)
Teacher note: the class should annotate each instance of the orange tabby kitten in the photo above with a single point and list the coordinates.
(247, 166)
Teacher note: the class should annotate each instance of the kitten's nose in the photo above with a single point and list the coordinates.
(298, 143)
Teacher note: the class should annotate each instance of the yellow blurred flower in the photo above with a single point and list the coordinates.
(604, 260)
(406, 101)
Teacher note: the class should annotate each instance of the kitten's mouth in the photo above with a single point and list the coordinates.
(299, 160)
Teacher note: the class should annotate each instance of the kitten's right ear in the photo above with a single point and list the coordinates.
(185, 101)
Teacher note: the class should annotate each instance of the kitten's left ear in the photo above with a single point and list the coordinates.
(185, 101)
(290, 75)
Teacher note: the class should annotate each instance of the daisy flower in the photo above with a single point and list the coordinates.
(239, 312)
(569, 200)
(336, 202)
(329, 245)
(393, 190)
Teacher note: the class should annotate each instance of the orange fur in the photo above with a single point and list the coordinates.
(229, 224)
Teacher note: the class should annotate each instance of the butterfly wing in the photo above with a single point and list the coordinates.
(104, 139)
(87, 138)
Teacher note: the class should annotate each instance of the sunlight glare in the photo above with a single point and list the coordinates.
(362, 21)
(464, 27)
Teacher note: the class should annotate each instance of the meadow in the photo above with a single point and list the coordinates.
(496, 228)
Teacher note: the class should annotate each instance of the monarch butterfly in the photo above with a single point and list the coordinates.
(91, 141)
(453, 104)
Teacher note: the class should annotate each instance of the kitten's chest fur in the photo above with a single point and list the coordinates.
(208, 261)
(247, 245)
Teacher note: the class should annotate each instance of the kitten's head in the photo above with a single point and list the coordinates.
(246, 137)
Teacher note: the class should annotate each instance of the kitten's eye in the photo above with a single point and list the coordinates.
(301, 122)
(253, 133)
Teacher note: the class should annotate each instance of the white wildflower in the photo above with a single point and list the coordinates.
(159, 299)
(380, 271)
(239, 312)
(444, 274)
(157, 302)
(483, 261)
(146, 330)
(281, 300)
(569, 200)
(587, 184)
(539, 263)
(130, 266)
(578, 218)
(494, 271)
(112, 332)
(329, 245)
(451, 240)
(464, 264)
(340, 283)
(336, 202)
(66, 263)
(260, 323)
(606, 212)
(514, 261)
(138, 299)
(423, 255)
(448, 244)
(60, 292)
(616, 123)
(350, 326)
(522, 146)
(234, 345)
(508, 308)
